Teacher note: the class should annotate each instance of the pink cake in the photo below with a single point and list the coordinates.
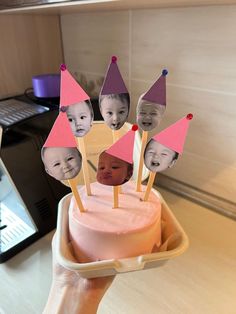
(103, 232)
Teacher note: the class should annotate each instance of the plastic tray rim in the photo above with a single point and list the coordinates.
(116, 265)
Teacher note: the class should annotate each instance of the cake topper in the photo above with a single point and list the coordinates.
(114, 100)
(61, 158)
(60, 134)
(70, 91)
(158, 157)
(115, 165)
(163, 149)
(112, 170)
(76, 103)
(124, 147)
(150, 110)
(174, 136)
(151, 105)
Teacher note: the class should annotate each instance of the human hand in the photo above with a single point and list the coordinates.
(70, 293)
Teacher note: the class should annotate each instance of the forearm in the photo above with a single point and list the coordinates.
(67, 299)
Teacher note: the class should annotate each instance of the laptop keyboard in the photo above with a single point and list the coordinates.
(13, 111)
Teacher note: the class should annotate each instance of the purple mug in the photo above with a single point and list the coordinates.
(46, 85)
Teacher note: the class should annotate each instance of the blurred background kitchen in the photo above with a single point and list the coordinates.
(196, 44)
(194, 40)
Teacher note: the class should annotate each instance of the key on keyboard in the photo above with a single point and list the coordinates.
(13, 111)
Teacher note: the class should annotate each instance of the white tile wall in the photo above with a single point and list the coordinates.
(197, 45)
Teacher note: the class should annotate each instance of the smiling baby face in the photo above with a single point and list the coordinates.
(149, 115)
(62, 163)
(158, 157)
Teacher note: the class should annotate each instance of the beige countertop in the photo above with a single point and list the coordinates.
(202, 280)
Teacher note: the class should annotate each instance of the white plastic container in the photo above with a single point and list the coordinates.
(174, 243)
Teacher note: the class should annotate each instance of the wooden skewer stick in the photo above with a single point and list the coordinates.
(141, 161)
(116, 136)
(73, 186)
(149, 185)
(115, 196)
(80, 141)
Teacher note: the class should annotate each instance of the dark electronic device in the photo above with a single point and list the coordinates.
(28, 196)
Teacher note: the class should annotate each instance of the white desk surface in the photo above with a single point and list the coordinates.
(201, 281)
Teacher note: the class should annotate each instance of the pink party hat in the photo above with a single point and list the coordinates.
(123, 148)
(70, 92)
(60, 134)
(157, 92)
(113, 82)
(174, 136)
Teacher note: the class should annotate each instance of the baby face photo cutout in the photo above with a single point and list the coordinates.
(114, 100)
(163, 149)
(114, 109)
(60, 155)
(76, 103)
(152, 105)
(80, 117)
(112, 170)
(62, 163)
(149, 114)
(158, 157)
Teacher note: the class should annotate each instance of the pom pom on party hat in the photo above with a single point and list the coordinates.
(157, 92)
(60, 134)
(70, 91)
(124, 147)
(174, 136)
(113, 82)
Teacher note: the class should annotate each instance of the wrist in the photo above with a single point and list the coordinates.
(69, 298)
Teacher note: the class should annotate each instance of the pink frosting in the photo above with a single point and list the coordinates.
(103, 232)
